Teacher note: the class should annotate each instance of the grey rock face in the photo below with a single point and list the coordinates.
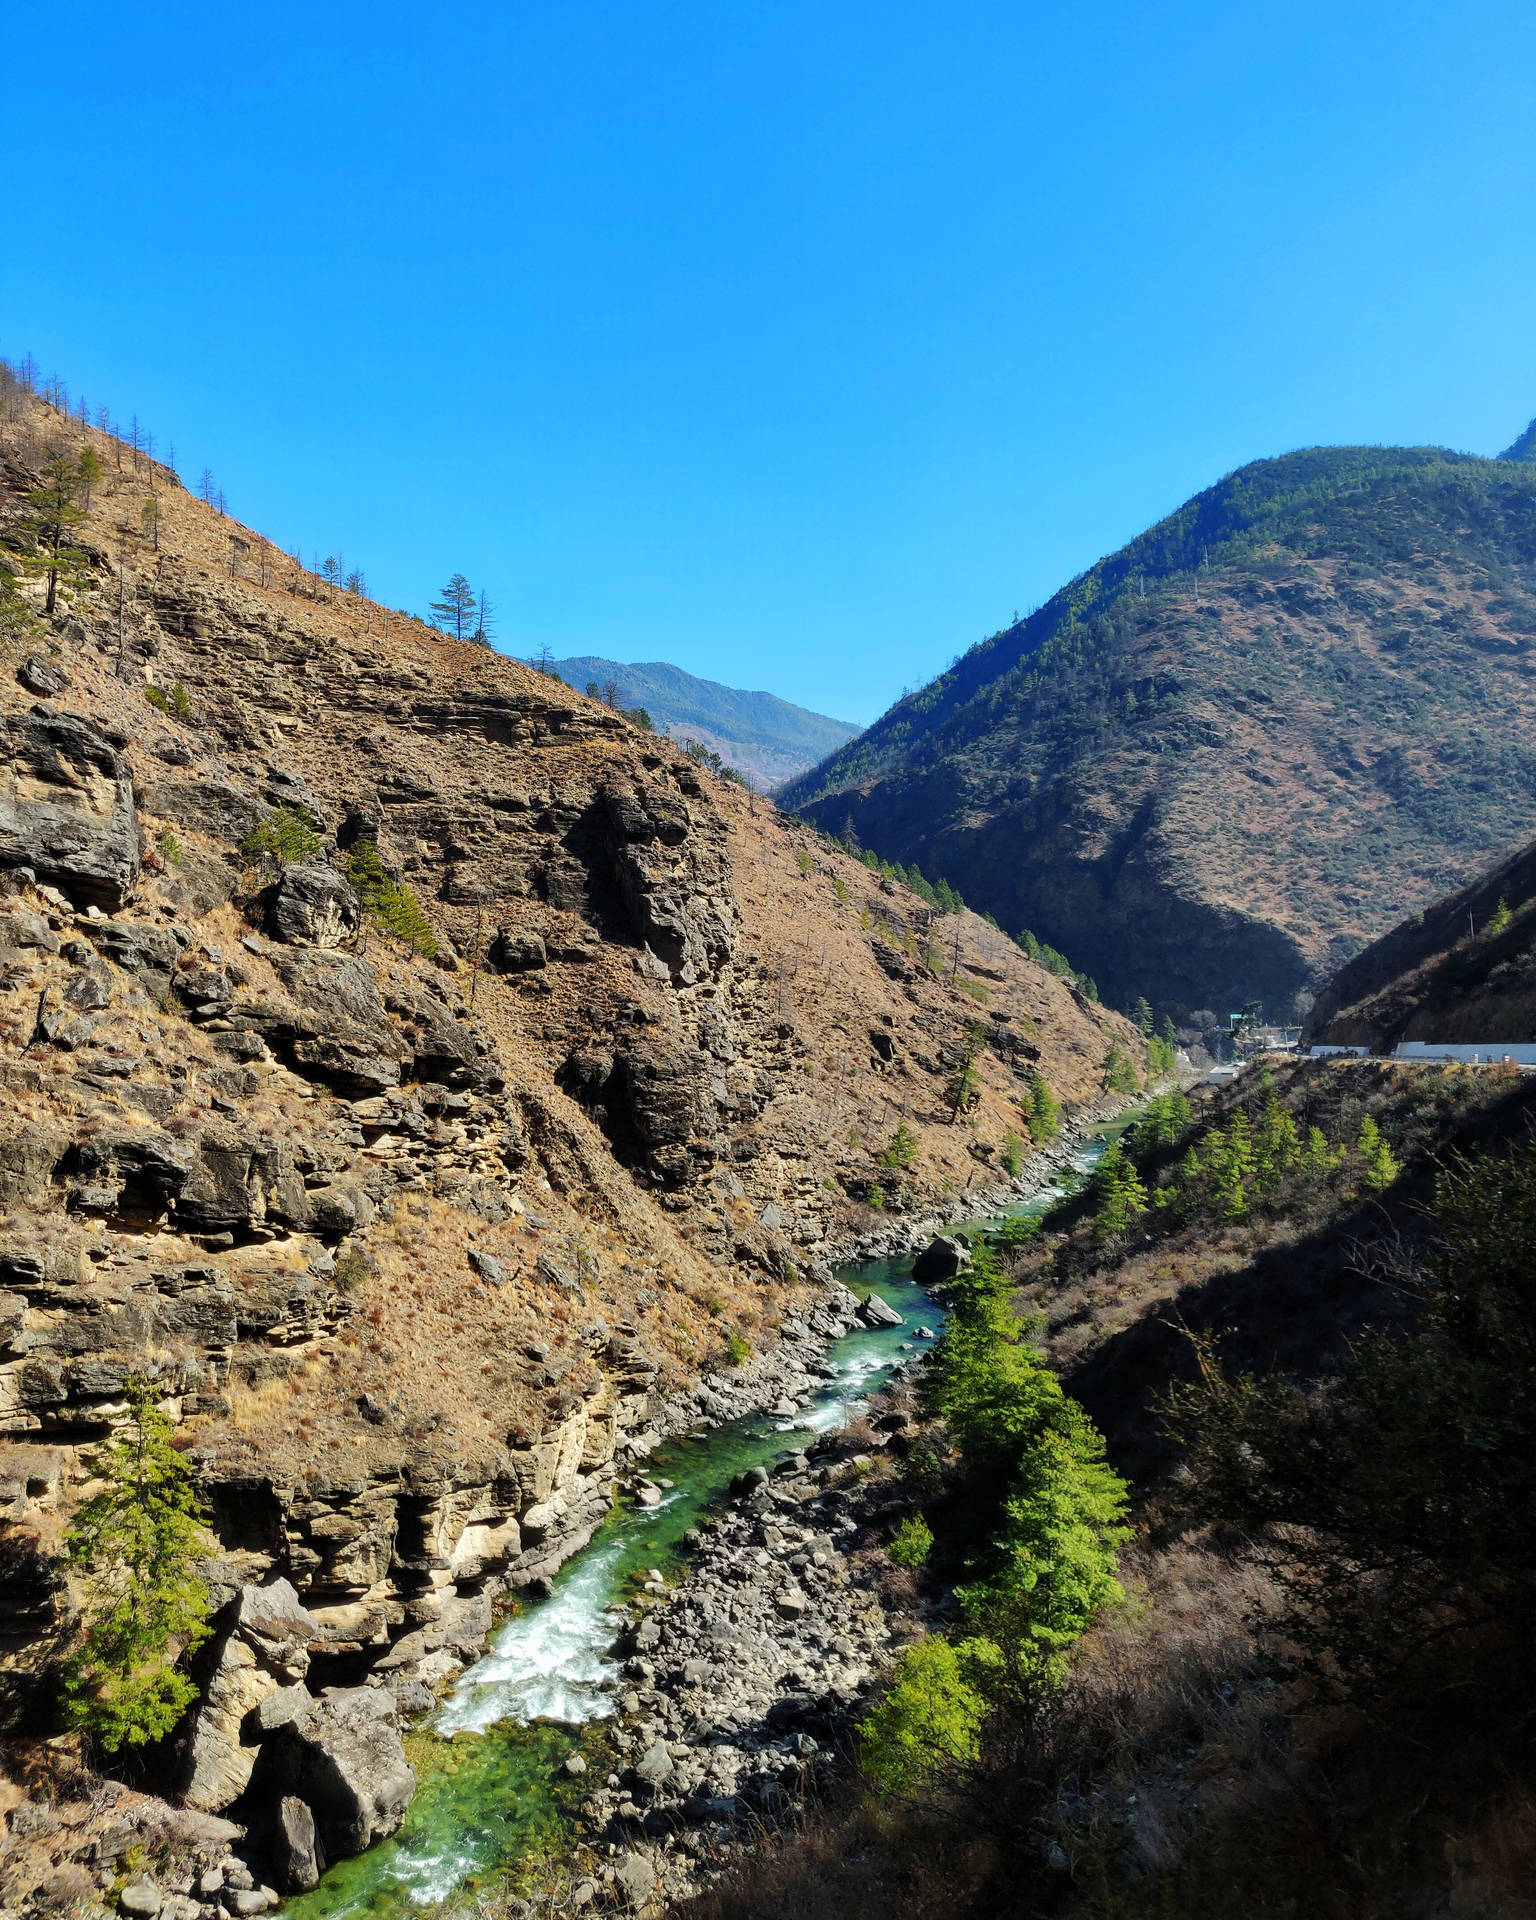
(516, 952)
(297, 1858)
(41, 676)
(149, 953)
(337, 1027)
(347, 1763)
(264, 1648)
(942, 1259)
(67, 809)
(312, 905)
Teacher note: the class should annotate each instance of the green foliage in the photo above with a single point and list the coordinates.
(1402, 1503)
(170, 848)
(930, 1718)
(136, 1541)
(839, 890)
(1121, 1196)
(1049, 1562)
(1276, 1144)
(389, 903)
(1057, 963)
(1010, 1239)
(1378, 1162)
(1117, 1073)
(57, 513)
(937, 894)
(1165, 1120)
(177, 703)
(287, 835)
(1498, 920)
(901, 1149)
(1162, 1058)
(1229, 1159)
(1012, 1155)
(1043, 1114)
(738, 1349)
(1141, 1016)
(874, 1196)
(803, 859)
(911, 1543)
(642, 719)
(963, 1087)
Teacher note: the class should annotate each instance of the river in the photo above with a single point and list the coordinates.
(492, 1790)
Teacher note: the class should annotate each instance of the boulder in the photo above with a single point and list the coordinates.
(634, 1879)
(297, 1860)
(312, 905)
(67, 809)
(264, 1647)
(514, 951)
(337, 1029)
(147, 952)
(875, 1312)
(41, 677)
(347, 1763)
(943, 1259)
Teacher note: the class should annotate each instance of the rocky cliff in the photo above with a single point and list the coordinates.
(427, 1202)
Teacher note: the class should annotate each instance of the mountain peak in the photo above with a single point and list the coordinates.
(1524, 448)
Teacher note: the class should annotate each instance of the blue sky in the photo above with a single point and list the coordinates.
(799, 344)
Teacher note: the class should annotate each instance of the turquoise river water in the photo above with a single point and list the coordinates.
(492, 1790)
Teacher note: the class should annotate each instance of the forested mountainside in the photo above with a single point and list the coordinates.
(429, 1083)
(1463, 970)
(768, 739)
(1224, 759)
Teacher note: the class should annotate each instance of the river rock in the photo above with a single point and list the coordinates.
(634, 1878)
(296, 1857)
(875, 1312)
(944, 1258)
(141, 1899)
(264, 1648)
(346, 1761)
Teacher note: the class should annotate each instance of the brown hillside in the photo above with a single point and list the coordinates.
(418, 1246)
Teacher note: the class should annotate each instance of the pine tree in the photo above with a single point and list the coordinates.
(485, 621)
(1230, 1158)
(1122, 1197)
(136, 1542)
(56, 503)
(455, 612)
(1141, 1015)
(1044, 1115)
(1276, 1144)
(1380, 1165)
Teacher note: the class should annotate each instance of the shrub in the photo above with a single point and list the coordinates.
(136, 1542)
(389, 903)
(930, 1717)
(737, 1348)
(170, 848)
(1380, 1164)
(287, 835)
(1117, 1074)
(1012, 1154)
(178, 702)
(900, 1149)
(911, 1543)
(1043, 1114)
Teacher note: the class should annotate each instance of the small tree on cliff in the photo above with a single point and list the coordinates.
(455, 612)
(136, 1541)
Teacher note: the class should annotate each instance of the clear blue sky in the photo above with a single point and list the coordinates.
(798, 342)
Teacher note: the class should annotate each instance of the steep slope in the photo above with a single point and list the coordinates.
(1463, 970)
(1217, 764)
(426, 1219)
(768, 739)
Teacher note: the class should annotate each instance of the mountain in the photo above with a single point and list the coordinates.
(1220, 762)
(1463, 970)
(439, 1084)
(1524, 448)
(768, 739)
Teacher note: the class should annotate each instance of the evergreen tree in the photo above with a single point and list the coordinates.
(57, 506)
(1230, 1158)
(1121, 1195)
(1043, 1114)
(485, 622)
(455, 612)
(1141, 1015)
(1276, 1143)
(1380, 1165)
(136, 1541)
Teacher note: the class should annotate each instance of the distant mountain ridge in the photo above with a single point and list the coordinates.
(768, 739)
(1221, 761)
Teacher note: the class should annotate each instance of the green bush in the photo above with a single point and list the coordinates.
(1012, 1155)
(178, 702)
(389, 903)
(930, 1717)
(136, 1542)
(1117, 1074)
(1042, 1113)
(911, 1543)
(738, 1348)
(287, 835)
(900, 1149)
(1121, 1196)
